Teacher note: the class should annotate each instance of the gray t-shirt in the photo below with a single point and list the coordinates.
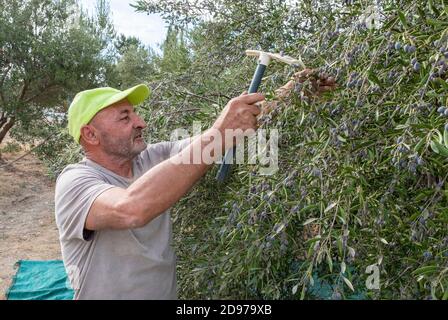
(114, 264)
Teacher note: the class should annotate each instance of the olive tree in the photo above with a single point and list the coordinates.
(358, 206)
(49, 50)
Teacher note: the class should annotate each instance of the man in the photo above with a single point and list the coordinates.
(112, 208)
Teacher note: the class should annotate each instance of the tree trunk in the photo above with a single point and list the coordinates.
(6, 127)
(3, 120)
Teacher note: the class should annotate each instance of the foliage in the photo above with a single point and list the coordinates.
(359, 184)
(49, 51)
(133, 67)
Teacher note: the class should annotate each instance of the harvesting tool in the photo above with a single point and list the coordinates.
(264, 58)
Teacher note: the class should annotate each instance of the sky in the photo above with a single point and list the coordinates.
(150, 29)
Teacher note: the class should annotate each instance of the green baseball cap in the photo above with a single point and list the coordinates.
(87, 104)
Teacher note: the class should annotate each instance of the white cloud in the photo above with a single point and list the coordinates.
(150, 29)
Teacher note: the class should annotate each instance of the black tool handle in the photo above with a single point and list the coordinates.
(224, 169)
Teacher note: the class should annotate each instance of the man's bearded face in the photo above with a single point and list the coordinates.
(120, 130)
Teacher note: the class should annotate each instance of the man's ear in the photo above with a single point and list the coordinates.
(90, 134)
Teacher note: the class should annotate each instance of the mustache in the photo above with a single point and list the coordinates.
(138, 133)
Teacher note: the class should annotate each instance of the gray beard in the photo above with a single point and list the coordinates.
(124, 150)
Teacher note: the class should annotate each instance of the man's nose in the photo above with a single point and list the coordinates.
(139, 122)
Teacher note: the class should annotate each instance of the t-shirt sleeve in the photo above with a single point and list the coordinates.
(167, 149)
(76, 190)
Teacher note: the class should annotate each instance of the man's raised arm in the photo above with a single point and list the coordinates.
(163, 185)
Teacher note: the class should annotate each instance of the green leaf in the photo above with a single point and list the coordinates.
(419, 145)
(433, 7)
(331, 206)
(329, 262)
(380, 260)
(302, 118)
(313, 240)
(309, 208)
(425, 270)
(439, 148)
(339, 243)
(308, 221)
(372, 77)
(278, 228)
(342, 139)
(442, 83)
(402, 126)
(302, 295)
(445, 295)
(435, 23)
(422, 195)
(402, 18)
(348, 283)
(434, 147)
(343, 267)
(294, 289)
(445, 138)
(351, 251)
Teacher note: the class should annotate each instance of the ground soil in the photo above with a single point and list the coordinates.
(27, 225)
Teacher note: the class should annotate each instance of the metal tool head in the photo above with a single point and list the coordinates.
(265, 57)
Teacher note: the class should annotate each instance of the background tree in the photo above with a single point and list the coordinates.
(123, 43)
(49, 51)
(135, 63)
(175, 54)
